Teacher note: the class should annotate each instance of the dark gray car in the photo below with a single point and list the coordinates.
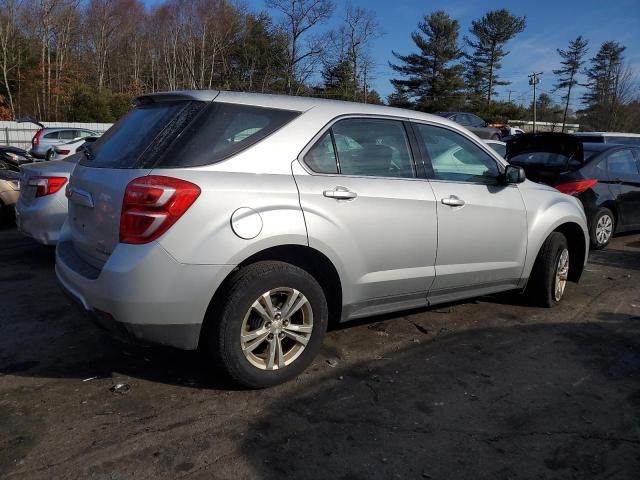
(474, 123)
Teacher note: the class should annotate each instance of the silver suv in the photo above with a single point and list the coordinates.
(46, 139)
(242, 224)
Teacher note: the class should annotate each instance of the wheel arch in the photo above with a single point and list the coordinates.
(577, 246)
(307, 258)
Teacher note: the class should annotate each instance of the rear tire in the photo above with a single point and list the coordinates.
(602, 228)
(550, 272)
(253, 336)
(495, 136)
(48, 156)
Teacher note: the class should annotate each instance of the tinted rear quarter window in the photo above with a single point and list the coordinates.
(223, 130)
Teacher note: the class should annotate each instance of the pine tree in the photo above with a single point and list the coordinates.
(491, 33)
(602, 98)
(430, 78)
(572, 61)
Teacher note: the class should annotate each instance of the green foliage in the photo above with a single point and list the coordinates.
(431, 80)
(605, 84)
(500, 112)
(92, 105)
(490, 35)
(572, 61)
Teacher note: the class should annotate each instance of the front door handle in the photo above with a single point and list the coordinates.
(453, 201)
(340, 193)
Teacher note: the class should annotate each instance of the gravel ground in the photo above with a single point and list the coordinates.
(489, 388)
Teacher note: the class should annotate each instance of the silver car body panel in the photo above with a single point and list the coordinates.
(42, 218)
(394, 246)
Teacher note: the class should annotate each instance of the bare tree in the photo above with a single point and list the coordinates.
(8, 57)
(300, 16)
(360, 27)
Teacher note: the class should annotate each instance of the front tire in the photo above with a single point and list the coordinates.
(602, 228)
(270, 325)
(495, 136)
(550, 273)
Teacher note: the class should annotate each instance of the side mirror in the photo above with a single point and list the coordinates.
(514, 174)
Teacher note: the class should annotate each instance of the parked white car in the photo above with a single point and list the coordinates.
(61, 152)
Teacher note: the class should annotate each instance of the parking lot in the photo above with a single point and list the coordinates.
(490, 388)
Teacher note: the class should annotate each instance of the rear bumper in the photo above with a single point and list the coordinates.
(43, 218)
(142, 292)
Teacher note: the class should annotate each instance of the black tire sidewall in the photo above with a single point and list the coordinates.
(252, 283)
(592, 231)
(541, 286)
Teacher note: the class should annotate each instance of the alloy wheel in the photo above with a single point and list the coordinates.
(562, 274)
(604, 229)
(276, 329)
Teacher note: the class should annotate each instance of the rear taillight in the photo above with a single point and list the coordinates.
(36, 138)
(62, 152)
(574, 188)
(46, 185)
(152, 204)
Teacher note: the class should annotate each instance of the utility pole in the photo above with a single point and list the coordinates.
(510, 92)
(534, 80)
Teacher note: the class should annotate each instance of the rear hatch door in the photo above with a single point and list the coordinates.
(125, 152)
(545, 156)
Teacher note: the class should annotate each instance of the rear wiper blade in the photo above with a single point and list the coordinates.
(88, 151)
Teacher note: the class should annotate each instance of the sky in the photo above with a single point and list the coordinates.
(551, 24)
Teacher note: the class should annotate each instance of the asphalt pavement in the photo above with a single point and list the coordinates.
(485, 389)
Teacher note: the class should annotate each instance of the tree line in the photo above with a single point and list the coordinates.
(445, 74)
(83, 60)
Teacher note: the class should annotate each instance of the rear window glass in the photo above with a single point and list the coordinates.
(141, 135)
(545, 159)
(223, 130)
(591, 138)
(624, 140)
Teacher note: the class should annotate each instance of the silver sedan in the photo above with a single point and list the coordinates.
(42, 207)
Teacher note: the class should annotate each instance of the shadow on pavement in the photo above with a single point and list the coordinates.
(537, 401)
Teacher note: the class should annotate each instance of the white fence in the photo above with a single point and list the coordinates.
(527, 126)
(20, 134)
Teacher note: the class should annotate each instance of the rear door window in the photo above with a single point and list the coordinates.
(52, 135)
(363, 147)
(67, 134)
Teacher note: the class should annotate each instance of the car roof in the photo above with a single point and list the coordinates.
(288, 102)
(601, 147)
(58, 129)
(607, 134)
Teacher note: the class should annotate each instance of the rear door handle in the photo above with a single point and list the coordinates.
(453, 201)
(340, 193)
